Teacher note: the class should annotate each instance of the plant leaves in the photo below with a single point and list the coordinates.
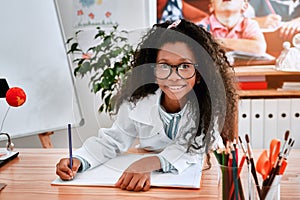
(99, 34)
(69, 40)
(74, 48)
(103, 93)
(84, 68)
(111, 59)
(101, 108)
(107, 101)
(96, 87)
(77, 32)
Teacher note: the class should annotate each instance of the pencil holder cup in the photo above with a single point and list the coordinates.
(267, 192)
(233, 182)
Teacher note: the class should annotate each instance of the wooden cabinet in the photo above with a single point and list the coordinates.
(274, 78)
(268, 113)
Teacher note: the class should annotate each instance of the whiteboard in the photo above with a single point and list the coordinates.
(33, 57)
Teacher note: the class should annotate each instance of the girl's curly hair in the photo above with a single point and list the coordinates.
(214, 90)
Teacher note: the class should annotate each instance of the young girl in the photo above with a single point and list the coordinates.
(178, 100)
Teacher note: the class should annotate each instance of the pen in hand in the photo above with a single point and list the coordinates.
(70, 147)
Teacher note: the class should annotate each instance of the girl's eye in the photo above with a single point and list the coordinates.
(164, 66)
(184, 66)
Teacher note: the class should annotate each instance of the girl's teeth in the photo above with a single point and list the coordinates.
(175, 87)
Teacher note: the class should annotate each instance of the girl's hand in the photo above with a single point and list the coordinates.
(63, 168)
(137, 176)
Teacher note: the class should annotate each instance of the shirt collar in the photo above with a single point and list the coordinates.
(149, 109)
(165, 116)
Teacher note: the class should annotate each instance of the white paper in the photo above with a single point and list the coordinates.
(108, 174)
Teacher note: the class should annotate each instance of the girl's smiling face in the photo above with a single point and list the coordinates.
(175, 87)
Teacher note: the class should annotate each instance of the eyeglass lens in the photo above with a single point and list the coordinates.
(184, 70)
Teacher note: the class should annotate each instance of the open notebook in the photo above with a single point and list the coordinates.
(108, 174)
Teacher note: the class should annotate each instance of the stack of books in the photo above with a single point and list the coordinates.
(290, 86)
(240, 58)
(252, 82)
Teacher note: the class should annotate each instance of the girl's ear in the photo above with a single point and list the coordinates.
(245, 6)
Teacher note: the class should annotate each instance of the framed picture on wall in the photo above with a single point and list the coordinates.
(106, 13)
(92, 13)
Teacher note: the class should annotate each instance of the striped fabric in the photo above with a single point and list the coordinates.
(170, 121)
(84, 164)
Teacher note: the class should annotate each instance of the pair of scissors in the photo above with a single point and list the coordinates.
(265, 163)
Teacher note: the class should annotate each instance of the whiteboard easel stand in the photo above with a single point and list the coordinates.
(46, 140)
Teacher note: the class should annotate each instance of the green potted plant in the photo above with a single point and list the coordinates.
(107, 61)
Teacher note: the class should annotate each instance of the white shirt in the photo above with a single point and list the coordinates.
(143, 121)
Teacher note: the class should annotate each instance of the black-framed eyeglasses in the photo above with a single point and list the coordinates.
(183, 70)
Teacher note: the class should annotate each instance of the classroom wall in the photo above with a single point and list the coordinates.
(88, 101)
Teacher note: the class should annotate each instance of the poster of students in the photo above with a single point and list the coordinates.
(266, 25)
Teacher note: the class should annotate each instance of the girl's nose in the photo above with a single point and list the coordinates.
(174, 76)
